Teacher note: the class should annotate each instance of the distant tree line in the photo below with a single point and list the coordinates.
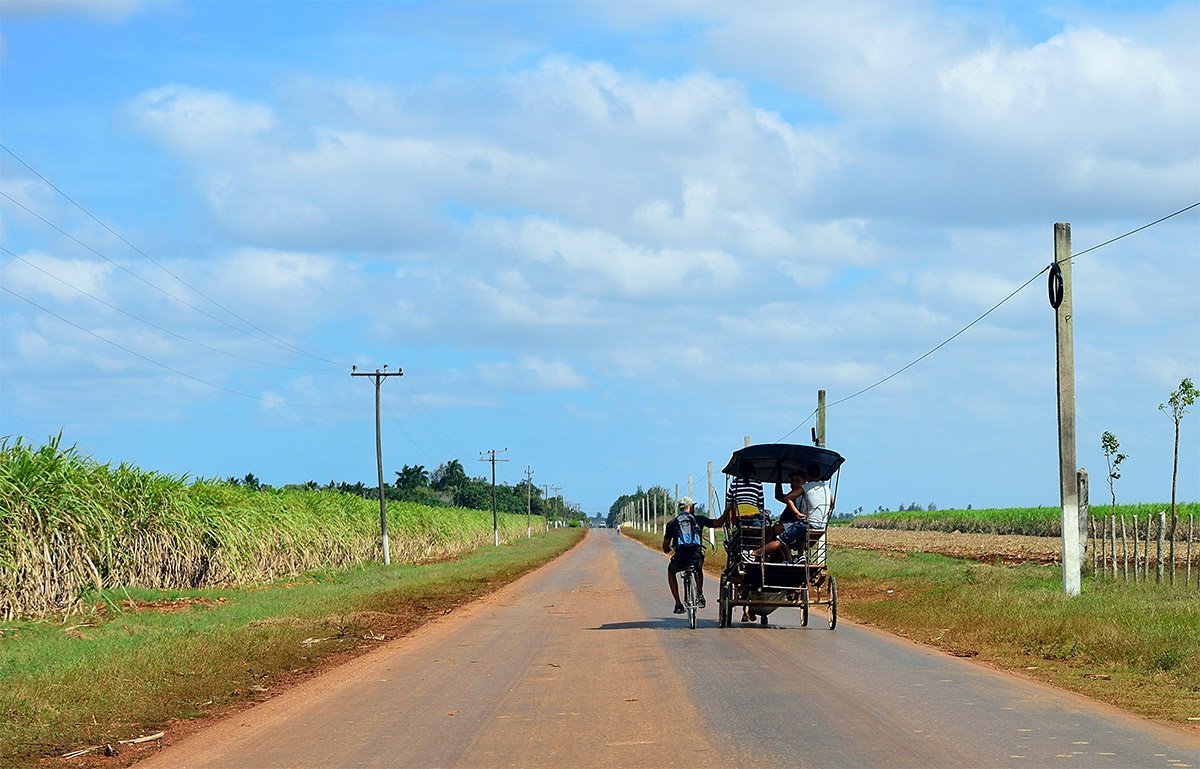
(447, 486)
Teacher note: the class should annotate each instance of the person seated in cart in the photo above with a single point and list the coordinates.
(746, 497)
(685, 532)
(806, 508)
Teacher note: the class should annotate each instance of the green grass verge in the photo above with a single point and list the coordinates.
(112, 675)
(1136, 646)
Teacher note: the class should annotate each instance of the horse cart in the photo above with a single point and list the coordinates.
(789, 576)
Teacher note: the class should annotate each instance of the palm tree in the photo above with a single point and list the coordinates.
(412, 477)
(449, 476)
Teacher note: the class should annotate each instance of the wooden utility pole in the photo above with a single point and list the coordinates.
(492, 458)
(1064, 334)
(379, 376)
(712, 533)
(528, 502)
(820, 438)
(557, 489)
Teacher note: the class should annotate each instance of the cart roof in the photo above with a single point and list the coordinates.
(775, 462)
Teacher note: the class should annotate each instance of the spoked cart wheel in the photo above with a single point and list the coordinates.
(804, 606)
(832, 603)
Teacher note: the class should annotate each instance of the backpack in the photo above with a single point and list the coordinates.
(690, 532)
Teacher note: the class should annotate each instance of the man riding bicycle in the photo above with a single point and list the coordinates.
(683, 534)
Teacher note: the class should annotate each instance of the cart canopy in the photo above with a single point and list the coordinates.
(775, 462)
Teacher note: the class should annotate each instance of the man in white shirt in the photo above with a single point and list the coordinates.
(807, 508)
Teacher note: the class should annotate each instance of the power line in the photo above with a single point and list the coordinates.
(1133, 232)
(989, 312)
(173, 370)
(387, 408)
(148, 258)
(451, 446)
(153, 325)
(159, 289)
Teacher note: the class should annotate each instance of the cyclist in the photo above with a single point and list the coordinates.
(687, 553)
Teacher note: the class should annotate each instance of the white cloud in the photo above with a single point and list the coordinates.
(604, 264)
(101, 10)
(202, 122)
(38, 273)
(285, 288)
(532, 372)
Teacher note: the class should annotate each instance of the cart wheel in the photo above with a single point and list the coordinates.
(762, 620)
(804, 607)
(832, 603)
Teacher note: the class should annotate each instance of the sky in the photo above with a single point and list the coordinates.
(613, 239)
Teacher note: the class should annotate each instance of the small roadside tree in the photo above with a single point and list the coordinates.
(1176, 406)
(1114, 457)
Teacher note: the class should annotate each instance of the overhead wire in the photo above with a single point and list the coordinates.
(153, 325)
(283, 345)
(989, 312)
(159, 265)
(407, 383)
(172, 369)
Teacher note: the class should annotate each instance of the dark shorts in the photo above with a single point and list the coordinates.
(793, 533)
(680, 560)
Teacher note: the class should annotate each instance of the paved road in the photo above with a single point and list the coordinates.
(582, 665)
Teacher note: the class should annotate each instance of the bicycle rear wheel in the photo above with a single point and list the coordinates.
(689, 596)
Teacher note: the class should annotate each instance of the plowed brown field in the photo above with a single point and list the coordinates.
(993, 548)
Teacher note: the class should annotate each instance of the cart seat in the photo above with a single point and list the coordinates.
(816, 547)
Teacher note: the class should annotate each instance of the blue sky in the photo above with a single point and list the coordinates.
(613, 238)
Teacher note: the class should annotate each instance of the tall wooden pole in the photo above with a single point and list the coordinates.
(821, 418)
(379, 376)
(712, 533)
(1064, 334)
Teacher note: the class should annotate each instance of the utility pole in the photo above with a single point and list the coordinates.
(528, 502)
(556, 490)
(819, 439)
(379, 376)
(492, 458)
(712, 533)
(1064, 335)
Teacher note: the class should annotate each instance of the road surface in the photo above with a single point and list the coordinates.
(582, 664)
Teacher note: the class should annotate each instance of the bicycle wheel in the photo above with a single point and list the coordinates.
(689, 597)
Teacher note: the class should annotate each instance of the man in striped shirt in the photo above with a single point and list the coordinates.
(746, 499)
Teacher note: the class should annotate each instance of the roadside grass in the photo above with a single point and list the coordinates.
(1135, 646)
(1036, 521)
(145, 657)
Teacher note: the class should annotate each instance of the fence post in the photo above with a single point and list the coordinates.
(1124, 552)
(1095, 545)
(1113, 554)
(1135, 547)
(1146, 566)
(1081, 479)
(1162, 532)
(1188, 579)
